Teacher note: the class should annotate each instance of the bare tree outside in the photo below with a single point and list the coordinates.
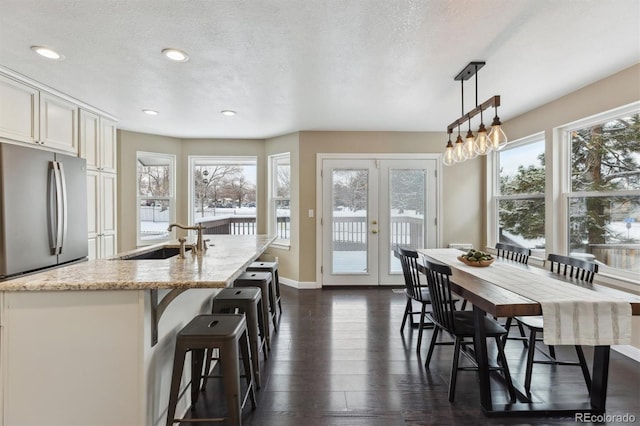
(224, 194)
(208, 181)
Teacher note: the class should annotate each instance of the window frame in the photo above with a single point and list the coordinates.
(219, 159)
(493, 187)
(562, 133)
(171, 198)
(274, 162)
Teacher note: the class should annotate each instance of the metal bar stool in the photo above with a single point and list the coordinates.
(228, 334)
(273, 268)
(265, 283)
(247, 301)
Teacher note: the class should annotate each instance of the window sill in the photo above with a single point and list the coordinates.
(280, 246)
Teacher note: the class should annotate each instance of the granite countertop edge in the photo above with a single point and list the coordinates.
(225, 259)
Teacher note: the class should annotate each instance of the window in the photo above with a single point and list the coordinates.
(156, 196)
(280, 198)
(223, 194)
(520, 207)
(603, 190)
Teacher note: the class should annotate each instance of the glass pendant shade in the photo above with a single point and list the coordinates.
(447, 159)
(497, 137)
(458, 154)
(468, 149)
(481, 143)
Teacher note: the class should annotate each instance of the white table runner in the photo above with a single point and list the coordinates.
(572, 315)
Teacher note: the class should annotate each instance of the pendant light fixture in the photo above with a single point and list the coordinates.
(458, 153)
(483, 143)
(448, 153)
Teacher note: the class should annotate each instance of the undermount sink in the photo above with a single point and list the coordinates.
(160, 253)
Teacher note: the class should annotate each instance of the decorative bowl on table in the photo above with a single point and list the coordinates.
(476, 258)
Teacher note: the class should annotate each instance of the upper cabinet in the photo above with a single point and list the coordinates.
(98, 141)
(30, 115)
(19, 110)
(58, 123)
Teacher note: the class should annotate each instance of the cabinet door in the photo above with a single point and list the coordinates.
(109, 208)
(108, 146)
(93, 213)
(18, 111)
(58, 123)
(89, 138)
(108, 246)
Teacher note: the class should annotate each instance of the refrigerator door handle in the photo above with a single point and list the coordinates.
(57, 248)
(65, 206)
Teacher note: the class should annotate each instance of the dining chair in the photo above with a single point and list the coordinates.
(460, 324)
(581, 270)
(521, 255)
(414, 291)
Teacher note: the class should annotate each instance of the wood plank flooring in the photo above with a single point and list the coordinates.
(339, 359)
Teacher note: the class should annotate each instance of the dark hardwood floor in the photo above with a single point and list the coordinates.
(339, 359)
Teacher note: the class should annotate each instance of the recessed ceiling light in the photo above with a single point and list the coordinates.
(47, 53)
(150, 112)
(228, 112)
(176, 55)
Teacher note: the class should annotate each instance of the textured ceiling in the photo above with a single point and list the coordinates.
(289, 65)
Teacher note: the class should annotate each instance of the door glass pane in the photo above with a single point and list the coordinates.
(349, 220)
(406, 210)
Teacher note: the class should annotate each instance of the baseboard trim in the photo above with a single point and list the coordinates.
(300, 285)
(629, 351)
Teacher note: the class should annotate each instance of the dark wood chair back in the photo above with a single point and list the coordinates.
(515, 253)
(409, 260)
(573, 267)
(442, 301)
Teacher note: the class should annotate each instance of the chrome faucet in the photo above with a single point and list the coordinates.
(201, 245)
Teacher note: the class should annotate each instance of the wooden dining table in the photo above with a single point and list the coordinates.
(491, 294)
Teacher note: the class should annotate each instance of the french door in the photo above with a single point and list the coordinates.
(369, 206)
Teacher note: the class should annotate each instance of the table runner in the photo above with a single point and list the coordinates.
(572, 315)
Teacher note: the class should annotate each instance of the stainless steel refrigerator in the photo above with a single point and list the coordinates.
(43, 210)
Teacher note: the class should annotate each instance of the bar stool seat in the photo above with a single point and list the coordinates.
(265, 283)
(228, 334)
(248, 301)
(272, 267)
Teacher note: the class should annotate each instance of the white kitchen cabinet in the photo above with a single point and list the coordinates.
(58, 123)
(98, 142)
(101, 213)
(19, 111)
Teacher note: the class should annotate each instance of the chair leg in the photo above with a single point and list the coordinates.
(197, 359)
(207, 368)
(585, 368)
(454, 370)
(552, 351)
(432, 345)
(507, 326)
(522, 334)
(423, 312)
(249, 373)
(530, 355)
(407, 309)
(176, 376)
(505, 369)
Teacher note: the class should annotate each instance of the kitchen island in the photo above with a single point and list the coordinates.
(77, 343)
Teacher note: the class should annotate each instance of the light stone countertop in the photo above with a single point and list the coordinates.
(226, 258)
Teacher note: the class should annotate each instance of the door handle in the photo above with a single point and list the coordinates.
(374, 231)
(374, 222)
